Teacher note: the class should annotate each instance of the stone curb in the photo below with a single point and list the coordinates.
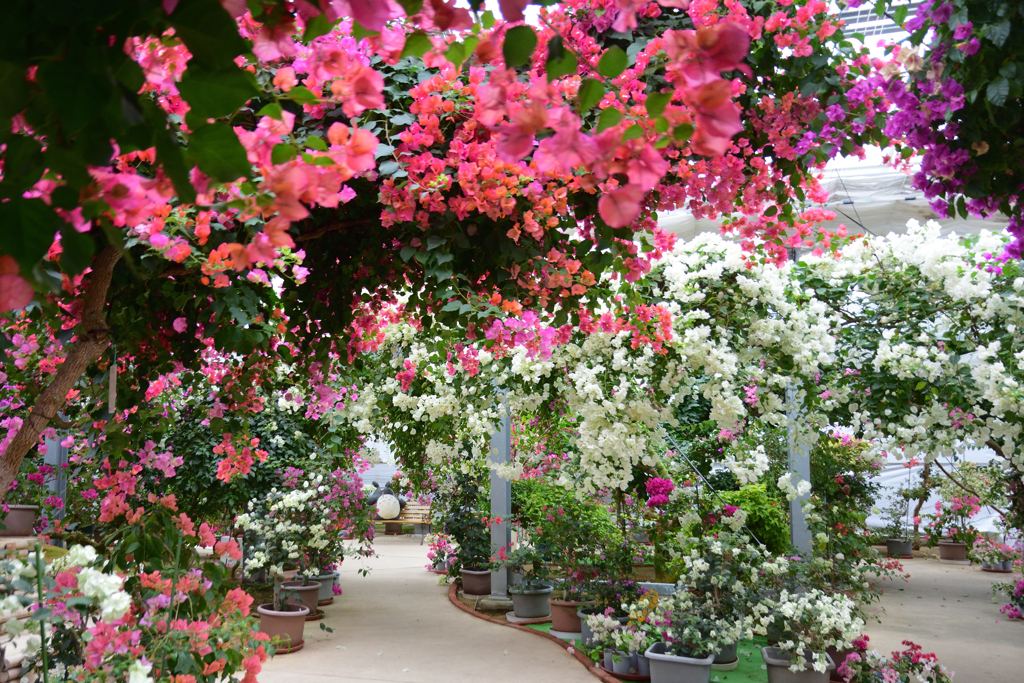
(583, 659)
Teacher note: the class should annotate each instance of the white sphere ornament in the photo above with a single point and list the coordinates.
(388, 507)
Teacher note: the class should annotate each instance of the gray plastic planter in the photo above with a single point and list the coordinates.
(531, 603)
(666, 668)
(726, 654)
(899, 547)
(778, 664)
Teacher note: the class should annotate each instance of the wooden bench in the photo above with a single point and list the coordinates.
(414, 514)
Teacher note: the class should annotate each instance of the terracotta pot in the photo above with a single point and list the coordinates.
(951, 551)
(565, 617)
(838, 657)
(20, 521)
(393, 528)
(285, 626)
(475, 582)
(298, 594)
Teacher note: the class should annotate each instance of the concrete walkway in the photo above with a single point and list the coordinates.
(948, 609)
(397, 625)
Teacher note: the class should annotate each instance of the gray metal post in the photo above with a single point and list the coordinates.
(501, 503)
(799, 464)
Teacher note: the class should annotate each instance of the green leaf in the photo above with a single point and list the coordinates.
(997, 91)
(169, 156)
(273, 110)
(899, 15)
(358, 31)
(998, 33)
(456, 54)
(520, 42)
(633, 132)
(209, 33)
(219, 153)
(13, 89)
(411, 7)
(302, 95)
(433, 242)
(78, 250)
(683, 132)
(560, 61)
(609, 117)
(282, 153)
(920, 386)
(591, 92)
(213, 94)
(317, 143)
(316, 27)
(417, 44)
(487, 19)
(656, 103)
(612, 62)
(28, 229)
(77, 95)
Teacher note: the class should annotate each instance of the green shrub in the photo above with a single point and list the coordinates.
(767, 519)
(531, 496)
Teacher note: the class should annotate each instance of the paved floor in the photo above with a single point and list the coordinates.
(397, 625)
(948, 610)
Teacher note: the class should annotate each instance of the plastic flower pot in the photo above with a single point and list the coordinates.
(666, 668)
(586, 633)
(726, 654)
(531, 602)
(621, 662)
(285, 627)
(778, 662)
(838, 657)
(298, 594)
(327, 581)
(565, 615)
(952, 551)
(20, 520)
(476, 582)
(642, 664)
(1007, 565)
(899, 547)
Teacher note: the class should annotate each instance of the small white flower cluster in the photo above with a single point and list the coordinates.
(793, 489)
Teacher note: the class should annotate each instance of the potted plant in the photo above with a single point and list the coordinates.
(29, 493)
(689, 638)
(901, 667)
(344, 510)
(897, 528)
(808, 622)
(530, 596)
(993, 555)
(722, 572)
(950, 527)
(466, 525)
(276, 533)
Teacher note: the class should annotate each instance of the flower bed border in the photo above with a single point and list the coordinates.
(580, 657)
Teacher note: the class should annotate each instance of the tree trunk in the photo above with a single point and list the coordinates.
(90, 345)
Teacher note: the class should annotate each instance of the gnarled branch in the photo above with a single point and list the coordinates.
(91, 343)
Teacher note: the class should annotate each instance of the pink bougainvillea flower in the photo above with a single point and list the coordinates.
(512, 10)
(275, 42)
(620, 206)
(371, 14)
(15, 292)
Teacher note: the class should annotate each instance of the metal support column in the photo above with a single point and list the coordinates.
(501, 504)
(800, 465)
